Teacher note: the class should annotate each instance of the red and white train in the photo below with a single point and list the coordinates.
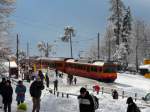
(102, 71)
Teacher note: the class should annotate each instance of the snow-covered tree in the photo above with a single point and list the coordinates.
(121, 20)
(22, 55)
(92, 52)
(68, 34)
(6, 8)
(109, 43)
(126, 37)
(117, 9)
(140, 43)
(44, 48)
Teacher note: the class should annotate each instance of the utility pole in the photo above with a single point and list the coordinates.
(28, 57)
(47, 50)
(71, 46)
(109, 49)
(98, 46)
(27, 49)
(118, 26)
(17, 52)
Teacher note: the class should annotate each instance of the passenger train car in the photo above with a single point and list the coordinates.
(99, 70)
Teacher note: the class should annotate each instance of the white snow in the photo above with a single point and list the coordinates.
(12, 64)
(52, 103)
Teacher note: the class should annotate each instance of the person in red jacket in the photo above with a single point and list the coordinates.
(96, 88)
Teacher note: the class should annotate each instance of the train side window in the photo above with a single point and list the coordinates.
(83, 67)
(100, 69)
(94, 69)
(80, 67)
(88, 68)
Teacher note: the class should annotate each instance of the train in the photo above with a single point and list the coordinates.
(98, 70)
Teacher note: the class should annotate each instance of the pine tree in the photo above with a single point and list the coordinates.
(126, 35)
(121, 19)
(117, 9)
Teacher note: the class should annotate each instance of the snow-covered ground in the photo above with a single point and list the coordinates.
(125, 81)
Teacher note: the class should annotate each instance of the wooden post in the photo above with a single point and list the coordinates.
(135, 96)
(102, 90)
(57, 94)
(67, 95)
(122, 94)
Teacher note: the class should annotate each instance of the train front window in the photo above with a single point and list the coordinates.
(109, 69)
(144, 71)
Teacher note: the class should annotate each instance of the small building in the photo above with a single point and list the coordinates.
(11, 68)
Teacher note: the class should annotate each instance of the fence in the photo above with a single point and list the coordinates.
(103, 90)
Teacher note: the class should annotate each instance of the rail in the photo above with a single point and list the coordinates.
(58, 93)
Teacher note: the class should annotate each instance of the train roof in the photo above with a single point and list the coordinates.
(70, 60)
(89, 62)
(145, 67)
(100, 63)
(53, 58)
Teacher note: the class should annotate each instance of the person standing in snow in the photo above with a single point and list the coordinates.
(20, 91)
(96, 88)
(75, 80)
(132, 107)
(86, 103)
(56, 72)
(47, 79)
(115, 94)
(35, 92)
(55, 85)
(7, 93)
(40, 74)
(2, 84)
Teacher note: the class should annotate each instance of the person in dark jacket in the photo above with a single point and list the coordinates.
(75, 80)
(55, 85)
(47, 79)
(56, 72)
(40, 74)
(115, 94)
(7, 93)
(132, 107)
(86, 103)
(2, 84)
(20, 91)
(36, 91)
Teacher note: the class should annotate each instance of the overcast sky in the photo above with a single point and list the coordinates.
(44, 20)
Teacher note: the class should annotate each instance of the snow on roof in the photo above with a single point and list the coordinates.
(12, 64)
(100, 63)
(70, 60)
(145, 67)
(51, 59)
